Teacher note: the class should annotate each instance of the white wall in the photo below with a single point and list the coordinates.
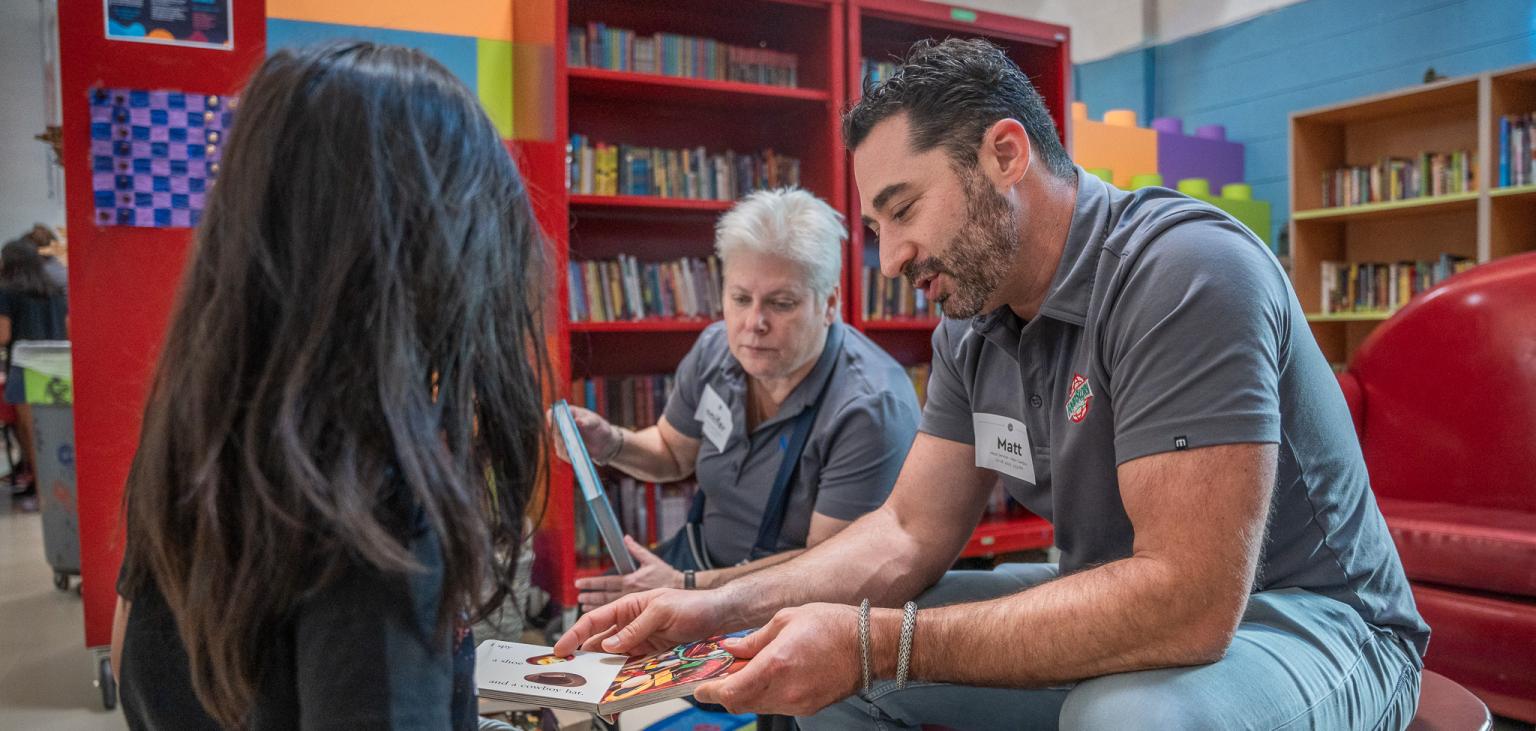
(31, 187)
(1102, 28)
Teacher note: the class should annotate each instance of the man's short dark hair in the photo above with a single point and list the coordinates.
(952, 93)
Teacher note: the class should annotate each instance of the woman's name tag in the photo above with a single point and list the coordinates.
(715, 416)
(1002, 444)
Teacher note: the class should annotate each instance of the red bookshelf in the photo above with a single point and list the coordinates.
(883, 30)
(621, 107)
(651, 202)
(630, 86)
(901, 324)
(636, 326)
(1008, 534)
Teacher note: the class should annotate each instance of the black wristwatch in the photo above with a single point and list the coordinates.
(689, 579)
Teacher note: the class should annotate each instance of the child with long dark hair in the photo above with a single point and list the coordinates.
(345, 428)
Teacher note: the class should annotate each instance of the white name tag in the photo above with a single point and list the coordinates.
(1002, 444)
(715, 415)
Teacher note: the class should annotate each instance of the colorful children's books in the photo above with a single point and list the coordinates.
(596, 682)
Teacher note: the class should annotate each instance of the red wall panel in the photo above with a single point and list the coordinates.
(122, 280)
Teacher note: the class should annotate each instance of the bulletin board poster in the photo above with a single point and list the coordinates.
(195, 23)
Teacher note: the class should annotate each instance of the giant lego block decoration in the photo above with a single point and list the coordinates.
(1237, 201)
(1206, 154)
(1116, 144)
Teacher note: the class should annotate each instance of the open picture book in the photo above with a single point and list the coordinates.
(596, 682)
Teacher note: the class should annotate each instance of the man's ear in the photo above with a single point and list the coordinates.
(833, 299)
(1004, 157)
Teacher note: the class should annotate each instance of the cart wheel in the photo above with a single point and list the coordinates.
(61, 581)
(107, 683)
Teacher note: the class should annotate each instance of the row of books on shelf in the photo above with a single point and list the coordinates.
(1517, 149)
(671, 54)
(886, 299)
(598, 168)
(647, 511)
(1399, 178)
(626, 289)
(635, 402)
(1383, 286)
(874, 72)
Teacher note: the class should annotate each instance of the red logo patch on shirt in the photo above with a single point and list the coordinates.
(1079, 398)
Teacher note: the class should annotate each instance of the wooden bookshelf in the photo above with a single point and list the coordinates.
(1368, 316)
(1514, 192)
(1393, 209)
(1484, 223)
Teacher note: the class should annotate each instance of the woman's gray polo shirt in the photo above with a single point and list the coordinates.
(857, 445)
(1169, 326)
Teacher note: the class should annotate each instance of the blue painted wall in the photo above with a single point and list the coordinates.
(1252, 75)
(457, 53)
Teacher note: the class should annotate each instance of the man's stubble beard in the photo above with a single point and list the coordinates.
(982, 252)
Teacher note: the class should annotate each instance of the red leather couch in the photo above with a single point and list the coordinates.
(1444, 399)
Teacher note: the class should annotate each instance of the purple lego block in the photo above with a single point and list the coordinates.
(1183, 156)
(1211, 132)
(1171, 125)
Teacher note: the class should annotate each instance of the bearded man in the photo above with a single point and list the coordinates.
(1135, 368)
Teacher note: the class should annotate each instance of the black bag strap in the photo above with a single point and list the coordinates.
(778, 499)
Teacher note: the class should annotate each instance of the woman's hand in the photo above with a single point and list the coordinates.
(653, 573)
(601, 437)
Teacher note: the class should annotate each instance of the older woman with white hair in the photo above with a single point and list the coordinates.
(794, 423)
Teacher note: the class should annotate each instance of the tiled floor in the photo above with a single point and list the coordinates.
(45, 671)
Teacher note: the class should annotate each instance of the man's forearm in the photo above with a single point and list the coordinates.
(1132, 614)
(875, 557)
(716, 578)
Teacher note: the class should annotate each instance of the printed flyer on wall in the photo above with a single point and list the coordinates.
(195, 23)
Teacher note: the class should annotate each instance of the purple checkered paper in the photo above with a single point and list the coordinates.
(154, 154)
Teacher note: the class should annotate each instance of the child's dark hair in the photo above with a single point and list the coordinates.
(23, 270)
(359, 328)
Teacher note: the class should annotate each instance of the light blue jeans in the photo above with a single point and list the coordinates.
(1299, 660)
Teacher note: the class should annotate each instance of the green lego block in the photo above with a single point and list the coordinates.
(1251, 213)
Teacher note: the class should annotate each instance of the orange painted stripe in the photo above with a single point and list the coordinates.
(476, 18)
(533, 21)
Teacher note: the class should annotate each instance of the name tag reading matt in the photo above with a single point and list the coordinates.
(1002, 444)
(715, 416)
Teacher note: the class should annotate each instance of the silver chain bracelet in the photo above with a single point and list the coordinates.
(864, 643)
(904, 659)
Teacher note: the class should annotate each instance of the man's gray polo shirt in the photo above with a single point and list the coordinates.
(858, 442)
(1169, 326)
